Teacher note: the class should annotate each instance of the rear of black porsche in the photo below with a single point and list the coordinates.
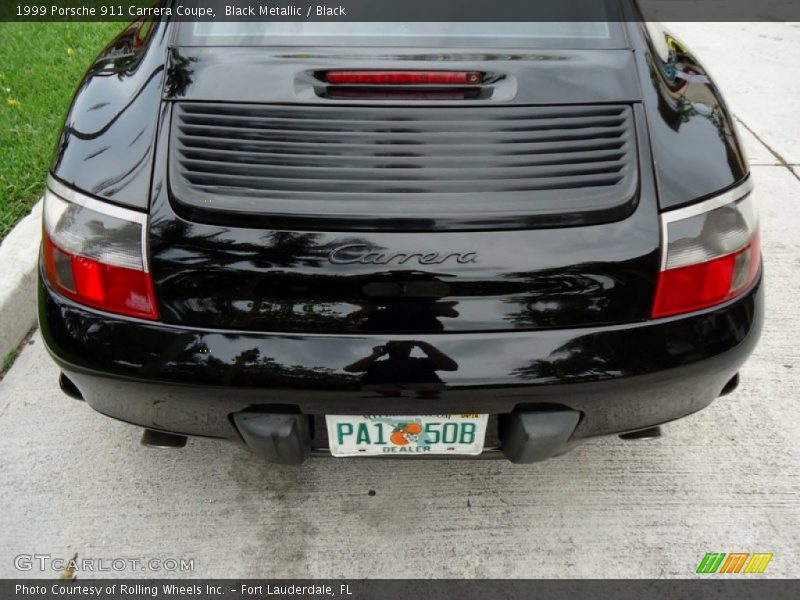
(426, 252)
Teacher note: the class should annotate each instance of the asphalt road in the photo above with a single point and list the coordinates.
(725, 479)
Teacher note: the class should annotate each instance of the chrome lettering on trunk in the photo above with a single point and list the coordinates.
(361, 254)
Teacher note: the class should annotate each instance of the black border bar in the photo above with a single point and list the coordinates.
(402, 10)
(713, 587)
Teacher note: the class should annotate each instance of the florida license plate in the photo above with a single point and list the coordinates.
(371, 435)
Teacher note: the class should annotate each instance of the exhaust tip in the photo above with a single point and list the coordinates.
(159, 439)
(69, 388)
(731, 386)
(644, 434)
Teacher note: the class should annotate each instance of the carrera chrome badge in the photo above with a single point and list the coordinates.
(361, 254)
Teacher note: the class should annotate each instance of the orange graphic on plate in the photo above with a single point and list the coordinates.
(406, 433)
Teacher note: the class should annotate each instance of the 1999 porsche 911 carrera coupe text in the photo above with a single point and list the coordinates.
(399, 239)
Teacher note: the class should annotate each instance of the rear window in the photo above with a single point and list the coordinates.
(526, 34)
(594, 26)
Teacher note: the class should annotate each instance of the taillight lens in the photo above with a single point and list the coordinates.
(93, 253)
(711, 254)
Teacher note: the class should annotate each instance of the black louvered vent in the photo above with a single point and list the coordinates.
(275, 156)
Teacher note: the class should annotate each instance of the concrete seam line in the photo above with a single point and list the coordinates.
(19, 252)
(781, 161)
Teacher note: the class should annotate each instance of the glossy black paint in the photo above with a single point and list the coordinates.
(106, 147)
(547, 77)
(544, 77)
(696, 148)
(189, 381)
(512, 315)
(260, 278)
(263, 280)
(254, 276)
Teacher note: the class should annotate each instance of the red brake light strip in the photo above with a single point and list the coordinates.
(404, 77)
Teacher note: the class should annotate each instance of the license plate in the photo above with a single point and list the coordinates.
(371, 435)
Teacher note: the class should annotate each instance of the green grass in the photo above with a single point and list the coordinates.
(8, 361)
(41, 65)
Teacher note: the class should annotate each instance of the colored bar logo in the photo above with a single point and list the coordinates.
(735, 562)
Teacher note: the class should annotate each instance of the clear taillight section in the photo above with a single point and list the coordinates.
(711, 253)
(94, 253)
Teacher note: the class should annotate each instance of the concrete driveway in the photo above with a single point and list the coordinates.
(723, 480)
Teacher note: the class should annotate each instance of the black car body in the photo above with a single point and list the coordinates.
(556, 233)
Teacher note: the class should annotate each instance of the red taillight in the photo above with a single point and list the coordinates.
(711, 254)
(404, 77)
(695, 287)
(94, 253)
(103, 286)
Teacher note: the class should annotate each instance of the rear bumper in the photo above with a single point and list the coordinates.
(192, 381)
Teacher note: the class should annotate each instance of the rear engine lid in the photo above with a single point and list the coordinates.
(401, 168)
(289, 210)
(226, 277)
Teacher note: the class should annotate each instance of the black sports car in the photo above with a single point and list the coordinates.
(399, 238)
